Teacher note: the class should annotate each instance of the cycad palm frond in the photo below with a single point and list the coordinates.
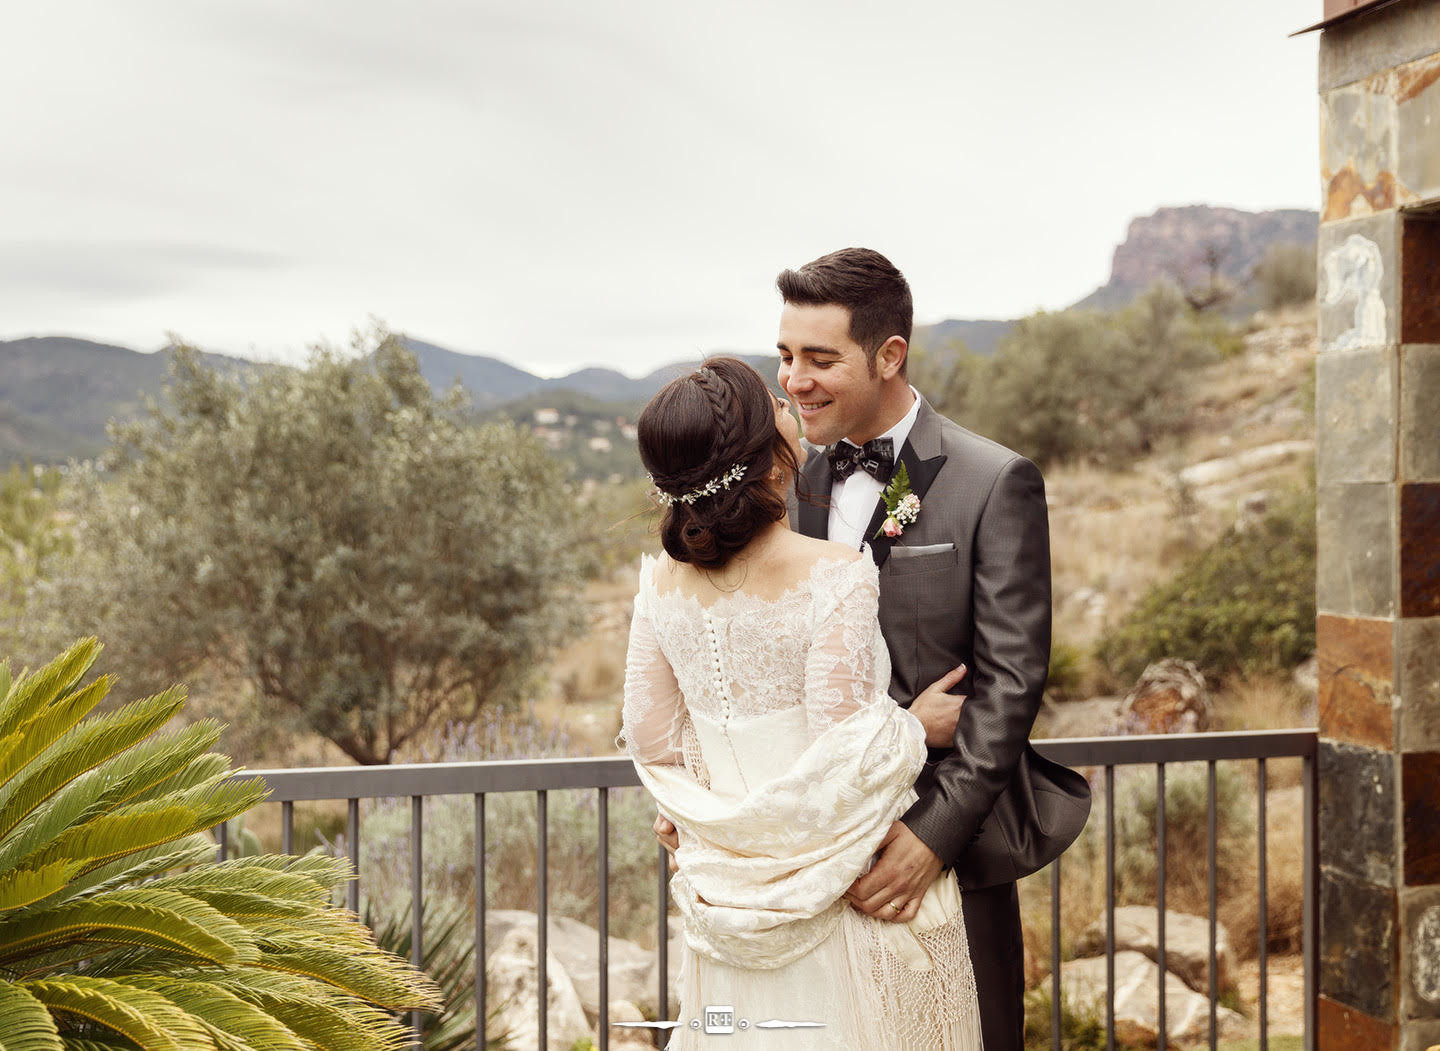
(117, 931)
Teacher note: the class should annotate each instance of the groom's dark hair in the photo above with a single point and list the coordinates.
(710, 443)
(863, 280)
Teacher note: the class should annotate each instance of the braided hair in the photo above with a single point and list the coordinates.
(696, 429)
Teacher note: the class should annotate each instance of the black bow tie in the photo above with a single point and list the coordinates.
(876, 458)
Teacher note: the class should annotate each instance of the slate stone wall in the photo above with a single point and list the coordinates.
(1378, 476)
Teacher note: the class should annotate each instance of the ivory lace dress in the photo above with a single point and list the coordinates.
(760, 729)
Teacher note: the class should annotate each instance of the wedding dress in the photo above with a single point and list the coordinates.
(759, 727)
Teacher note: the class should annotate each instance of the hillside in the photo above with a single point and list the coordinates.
(57, 393)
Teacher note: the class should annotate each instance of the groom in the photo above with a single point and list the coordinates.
(967, 581)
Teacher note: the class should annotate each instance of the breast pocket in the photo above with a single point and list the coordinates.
(906, 560)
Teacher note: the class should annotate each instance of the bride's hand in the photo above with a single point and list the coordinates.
(668, 837)
(938, 709)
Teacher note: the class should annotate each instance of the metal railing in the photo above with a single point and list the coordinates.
(1104, 754)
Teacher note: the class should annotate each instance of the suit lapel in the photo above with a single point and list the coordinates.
(813, 519)
(922, 459)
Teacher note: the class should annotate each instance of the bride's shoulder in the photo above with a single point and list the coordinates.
(825, 561)
(809, 550)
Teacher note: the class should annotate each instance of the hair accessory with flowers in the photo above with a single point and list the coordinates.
(710, 488)
(902, 506)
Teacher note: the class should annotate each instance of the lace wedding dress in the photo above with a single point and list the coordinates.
(759, 727)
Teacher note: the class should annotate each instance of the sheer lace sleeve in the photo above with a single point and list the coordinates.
(840, 669)
(654, 712)
(656, 725)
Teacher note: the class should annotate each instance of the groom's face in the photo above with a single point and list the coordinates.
(828, 375)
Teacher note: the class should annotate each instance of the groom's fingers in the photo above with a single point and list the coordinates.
(951, 679)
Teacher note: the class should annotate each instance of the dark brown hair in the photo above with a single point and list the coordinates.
(695, 430)
(863, 280)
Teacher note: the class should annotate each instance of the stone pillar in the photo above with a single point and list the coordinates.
(1378, 475)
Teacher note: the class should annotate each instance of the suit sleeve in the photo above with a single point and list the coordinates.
(1011, 662)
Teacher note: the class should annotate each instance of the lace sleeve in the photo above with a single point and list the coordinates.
(654, 714)
(656, 726)
(840, 668)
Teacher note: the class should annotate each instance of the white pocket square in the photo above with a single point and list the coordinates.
(924, 549)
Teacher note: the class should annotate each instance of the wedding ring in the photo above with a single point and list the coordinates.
(897, 908)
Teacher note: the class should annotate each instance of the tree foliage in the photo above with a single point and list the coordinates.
(1286, 275)
(360, 550)
(1083, 384)
(1244, 604)
(116, 928)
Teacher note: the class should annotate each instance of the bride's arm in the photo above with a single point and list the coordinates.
(840, 667)
(653, 717)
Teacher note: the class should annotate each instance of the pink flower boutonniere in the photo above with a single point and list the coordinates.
(902, 506)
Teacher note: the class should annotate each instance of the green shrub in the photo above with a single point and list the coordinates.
(1081, 1027)
(1286, 275)
(1244, 604)
(572, 818)
(1084, 385)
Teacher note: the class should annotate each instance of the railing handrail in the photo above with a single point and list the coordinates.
(529, 775)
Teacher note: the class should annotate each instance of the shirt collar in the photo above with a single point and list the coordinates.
(901, 431)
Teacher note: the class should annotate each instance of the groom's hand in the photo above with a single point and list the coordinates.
(902, 874)
(668, 837)
(938, 709)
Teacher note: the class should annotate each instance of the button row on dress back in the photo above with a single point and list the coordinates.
(720, 689)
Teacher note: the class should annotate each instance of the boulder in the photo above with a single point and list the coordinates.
(1187, 944)
(1137, 1001)
(578, 947)
(652, 980)
(514, 984)
(626, 1038)
(1170, 698)
(634, 974)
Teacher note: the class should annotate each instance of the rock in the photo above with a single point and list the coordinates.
(1170, 698)
(631, 967)
(1307, 676)
(1251, 508)
(625, 1038)
(1137, 1001)
(1097, 717)
(514, 983)
(1227, 468)
(1187, 944)
(652, 980)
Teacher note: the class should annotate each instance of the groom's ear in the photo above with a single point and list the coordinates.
(890, 358)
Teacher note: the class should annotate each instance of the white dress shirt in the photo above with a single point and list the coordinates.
(853, 500)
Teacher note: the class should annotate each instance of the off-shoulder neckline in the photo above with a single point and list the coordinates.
(743, 598)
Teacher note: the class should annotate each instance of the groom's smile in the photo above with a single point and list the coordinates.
(829, 376)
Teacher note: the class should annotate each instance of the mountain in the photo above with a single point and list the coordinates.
(57, 393)
(1182, 244)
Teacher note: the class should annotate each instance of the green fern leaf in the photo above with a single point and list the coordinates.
(146, 1018)
(86, 747)
(25, 1024)
(35, 735)
(247, 1026)
(138, 916)
(22, 887)
(33, 692)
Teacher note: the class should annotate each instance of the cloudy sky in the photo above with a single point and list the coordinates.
(561, 184)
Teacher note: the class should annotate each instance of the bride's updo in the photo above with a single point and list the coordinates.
(709, 441)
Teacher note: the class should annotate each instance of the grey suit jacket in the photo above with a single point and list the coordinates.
(990, 807)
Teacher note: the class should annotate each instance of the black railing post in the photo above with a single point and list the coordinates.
(480, 1007)
(604, 909)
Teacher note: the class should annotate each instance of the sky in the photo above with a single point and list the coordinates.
(566, 184)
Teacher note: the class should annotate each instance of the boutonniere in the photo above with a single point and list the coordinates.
(902, 506)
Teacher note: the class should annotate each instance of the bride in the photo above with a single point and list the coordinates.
(756, 715)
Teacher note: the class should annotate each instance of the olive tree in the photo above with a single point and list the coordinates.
(1087, 385)
(354, 546)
